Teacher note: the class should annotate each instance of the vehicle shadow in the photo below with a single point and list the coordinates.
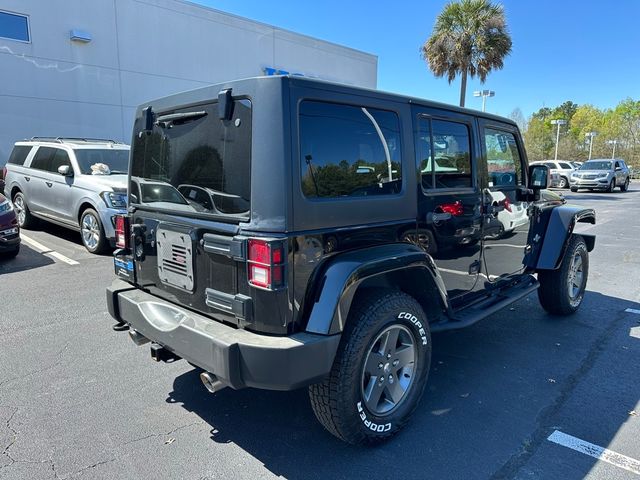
(595, 196)
(495, 393)
(63, 233)
(27, 259)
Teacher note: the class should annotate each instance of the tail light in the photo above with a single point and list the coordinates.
(122, 231)
(265, 262)
(507, 205)
(456, 209)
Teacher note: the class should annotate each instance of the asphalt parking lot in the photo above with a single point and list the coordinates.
(521, 394)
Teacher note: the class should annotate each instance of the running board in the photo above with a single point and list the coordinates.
(476, 312)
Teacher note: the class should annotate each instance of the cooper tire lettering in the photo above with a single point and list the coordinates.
(374, 427)
(414, 320)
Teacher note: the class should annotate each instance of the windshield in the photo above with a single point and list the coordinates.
(200, 160)
(596, 166)
(102, 161)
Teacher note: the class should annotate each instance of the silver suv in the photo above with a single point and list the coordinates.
(601, 174)
(77, 183)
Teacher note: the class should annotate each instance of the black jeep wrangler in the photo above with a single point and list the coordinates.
(285, 232)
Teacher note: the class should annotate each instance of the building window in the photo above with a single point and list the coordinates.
(14, 26)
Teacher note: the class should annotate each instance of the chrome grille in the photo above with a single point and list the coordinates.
(175, 259)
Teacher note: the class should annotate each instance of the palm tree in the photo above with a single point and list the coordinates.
(470, 37)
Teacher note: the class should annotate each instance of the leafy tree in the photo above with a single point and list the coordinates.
(470, 37)
(517, 116)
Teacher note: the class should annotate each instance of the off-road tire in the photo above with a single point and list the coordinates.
(338, 402)
(625, 186)
(101, 242)
(554, 293)
(29, 220)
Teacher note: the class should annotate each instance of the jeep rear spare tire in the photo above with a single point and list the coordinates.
(379, 372)
(561, 291)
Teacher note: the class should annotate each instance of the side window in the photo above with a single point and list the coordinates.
(42, 160)
(617, 165)
(504, 164)
(59, 159)
(348, 151)
(19, 154)
(565, 166)
(445, 154)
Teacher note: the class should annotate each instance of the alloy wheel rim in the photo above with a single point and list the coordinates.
(576, 277)
(90, 231)
(388, 372)
(18, 204)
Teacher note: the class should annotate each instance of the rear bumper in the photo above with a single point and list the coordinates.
(237, 357)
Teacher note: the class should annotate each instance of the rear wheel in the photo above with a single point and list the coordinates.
(25, 219)
(564, 183)
(561, 291)
(92, 233)
(379, 372)
(625, 186)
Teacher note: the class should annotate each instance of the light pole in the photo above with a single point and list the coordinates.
(484, 94)
(590, 135)
(614, 143)
(558, 123)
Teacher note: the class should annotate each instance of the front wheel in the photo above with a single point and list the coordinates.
(564, 183)
(379, 372)
(93, 237)
(612, 185)
(561, 291)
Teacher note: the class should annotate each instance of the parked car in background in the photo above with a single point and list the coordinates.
(9, 229)
(576, 165)
(601, 174)
(74, 182)
(560, 171)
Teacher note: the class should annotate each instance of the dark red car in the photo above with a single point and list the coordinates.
(9, 230)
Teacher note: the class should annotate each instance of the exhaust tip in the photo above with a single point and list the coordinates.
(211, 382)
(137, 337)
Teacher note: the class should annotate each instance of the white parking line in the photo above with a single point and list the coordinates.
(622, 461)
(632, 310)
(46, 250)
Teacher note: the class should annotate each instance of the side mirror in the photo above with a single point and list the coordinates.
(538, 177)
(65, 170)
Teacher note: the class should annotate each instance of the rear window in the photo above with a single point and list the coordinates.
(19, 154)
(197, 162)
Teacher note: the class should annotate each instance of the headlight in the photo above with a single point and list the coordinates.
(114, 199)
(603, 175)
(6, 206)
(574, 174)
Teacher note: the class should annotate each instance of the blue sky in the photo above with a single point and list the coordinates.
(584, 51)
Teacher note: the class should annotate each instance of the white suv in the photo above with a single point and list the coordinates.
(77, 183)
(562, 168)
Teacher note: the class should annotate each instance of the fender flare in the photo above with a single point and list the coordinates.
(561, 221)
(338, 279)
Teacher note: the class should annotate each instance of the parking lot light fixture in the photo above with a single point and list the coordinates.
(484, 94)
(590, 135)
(614, 143)
(558, 122)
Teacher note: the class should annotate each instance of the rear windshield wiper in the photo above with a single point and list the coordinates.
(168, 121)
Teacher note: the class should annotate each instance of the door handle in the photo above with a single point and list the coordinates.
(49, 184)
(27, 178)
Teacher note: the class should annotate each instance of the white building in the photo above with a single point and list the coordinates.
(79, 68)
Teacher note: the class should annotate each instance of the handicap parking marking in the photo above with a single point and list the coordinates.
(46, 250)
(633, 310)
(603, 454)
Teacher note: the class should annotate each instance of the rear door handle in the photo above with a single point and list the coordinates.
(49, 184)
